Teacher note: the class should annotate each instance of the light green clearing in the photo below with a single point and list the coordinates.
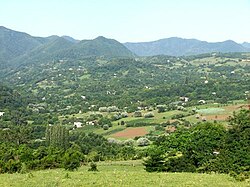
(116, 174)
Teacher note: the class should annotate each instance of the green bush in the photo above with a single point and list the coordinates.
(72, 159)
(137, 114)
(149, 115)
(93, 167)
(105, 127)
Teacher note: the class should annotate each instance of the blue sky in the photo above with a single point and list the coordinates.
(130, 20)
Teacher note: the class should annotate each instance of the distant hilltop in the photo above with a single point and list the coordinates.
(19, 47)
(179, 47)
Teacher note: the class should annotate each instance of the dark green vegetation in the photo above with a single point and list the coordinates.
(205, 148)
(64, 109)
(59, 86)
(178, 47)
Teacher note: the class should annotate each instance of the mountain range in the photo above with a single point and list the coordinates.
(179, 47)
(19, 47)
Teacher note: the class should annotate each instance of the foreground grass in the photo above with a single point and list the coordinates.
(115, 174)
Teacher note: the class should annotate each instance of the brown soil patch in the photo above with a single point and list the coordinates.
(170, 129)
(131, 132)
(235, 107)
(219, 117)
(173, 120)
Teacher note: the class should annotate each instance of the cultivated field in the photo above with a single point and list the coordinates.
(117, 174)
(131, 132)
(210, 112)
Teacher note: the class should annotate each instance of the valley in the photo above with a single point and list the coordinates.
(70, 104)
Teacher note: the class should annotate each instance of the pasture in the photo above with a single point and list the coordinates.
(122, 174)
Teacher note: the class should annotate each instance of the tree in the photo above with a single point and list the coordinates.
(188, 150)
(93, 167)
(105, 127)
(149, 115)
(155, 161)
(57, 136)
(72, 158)
(137, 114)
(235, 157)
(143, 142)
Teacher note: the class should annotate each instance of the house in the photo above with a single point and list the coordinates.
(180, 108)
(204, 119)
(216, 152)
(202, 102)
(91, 122)
(77, 124)
(1, 114)
(185, 99)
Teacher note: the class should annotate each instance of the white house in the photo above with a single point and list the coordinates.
(185, 99)
(1, 114)
(77, 124)
(202, 102)
(90, 123)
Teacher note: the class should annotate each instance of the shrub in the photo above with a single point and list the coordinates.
(129, 142)
(72, 159)
(149, 115)
(124, 114)
(161, 108)
(24, 169)
(105, 127)
(116, 117)
(155, 161)
(12, 166)
(137, 114)
(159, 128)
(103, 109)
(143, 142)
(113, 141)
(104, 121)
(93, 167)
(112, 109)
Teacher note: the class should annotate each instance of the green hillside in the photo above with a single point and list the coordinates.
(18, 48)
(13, 44)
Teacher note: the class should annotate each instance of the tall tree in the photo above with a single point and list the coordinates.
(57, 136)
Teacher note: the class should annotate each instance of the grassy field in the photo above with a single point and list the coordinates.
(117, 174)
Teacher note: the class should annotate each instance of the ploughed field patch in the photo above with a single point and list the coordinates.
(220, 117)
(131, 132)
(220, 113)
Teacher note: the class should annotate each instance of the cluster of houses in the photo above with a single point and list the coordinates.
(78, 124)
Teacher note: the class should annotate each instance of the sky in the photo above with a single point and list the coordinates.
(130, 20)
